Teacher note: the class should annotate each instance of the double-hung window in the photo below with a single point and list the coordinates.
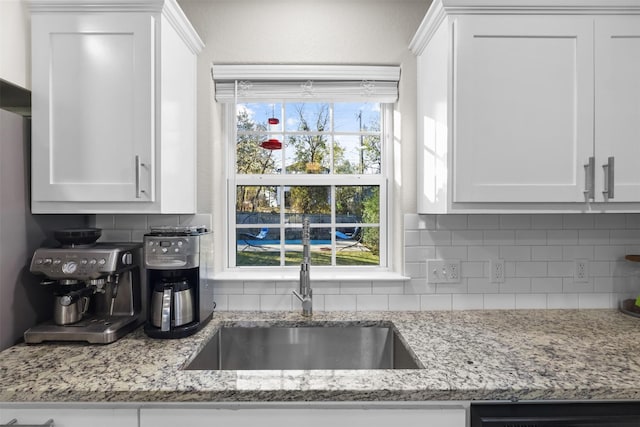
(316, 149)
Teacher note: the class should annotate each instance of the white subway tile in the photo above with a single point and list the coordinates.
(569, 285)
(600, 269)
(625, 237)
(515, 221)
(340, 302)
(546, 221)
(435, 302)
(419, 286)
(427, 222)
(467, 237)
(499, 237)
(546, 285)
(221, 302)
(415, 269)
(404, 303)
(435, 237)
(515, 285)
(419, 254)
(560, 268)
(593, 237)
(484, 222)
(137, 235)
(570, 253)
(115, 236)
(132, 222)
(277, 303)
(244, 302)
(451, 222)
(577, 221)
(562, 301)
(610, 221)
(531, 301)
(372, 303)
(159, 220)
(609, 253)
(259, 287)
(472, 269)
(364, 287)
(603, 284)
(499, 301)
(412, 238)
(318, 303)
(594, 300)
(562, 237)
(482, 286)
(531, 237)
(483, 253)
(531, 269)
(546, 253)
(286, 287)
(452, 252)
(632, 221)
(467, 302)
(322, 287)
(105, 221)
(453, 288)
(388, 287)
(515, 253)
(227, 287)
(197, 219)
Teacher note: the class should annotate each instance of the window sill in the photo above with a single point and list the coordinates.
(319, 274)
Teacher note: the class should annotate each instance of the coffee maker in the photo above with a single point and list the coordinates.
(179, 293)
(96, 288)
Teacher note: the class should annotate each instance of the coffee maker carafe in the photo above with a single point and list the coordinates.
(177, 260)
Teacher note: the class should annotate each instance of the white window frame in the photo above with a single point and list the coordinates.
(385, 271)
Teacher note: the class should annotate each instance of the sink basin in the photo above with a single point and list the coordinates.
(305, 347)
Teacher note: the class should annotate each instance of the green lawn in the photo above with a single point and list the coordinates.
(268, 258)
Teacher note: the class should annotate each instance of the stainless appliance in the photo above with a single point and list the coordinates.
(177, 262)
(96, 288)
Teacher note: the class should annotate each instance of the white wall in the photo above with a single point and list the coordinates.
(15, 43)
(375, 32)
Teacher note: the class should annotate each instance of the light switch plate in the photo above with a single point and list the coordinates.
(443, 271)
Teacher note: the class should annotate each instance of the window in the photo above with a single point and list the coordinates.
(291, 158)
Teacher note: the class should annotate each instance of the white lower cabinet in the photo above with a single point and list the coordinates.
(69, 416)
(363, 415)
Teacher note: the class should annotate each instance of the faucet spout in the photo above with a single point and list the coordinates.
(305, 293)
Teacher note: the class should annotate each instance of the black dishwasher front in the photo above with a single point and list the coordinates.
(556, 414)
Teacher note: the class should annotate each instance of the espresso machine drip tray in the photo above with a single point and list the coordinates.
(92, 329)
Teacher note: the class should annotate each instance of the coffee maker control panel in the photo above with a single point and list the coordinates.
(169, 252)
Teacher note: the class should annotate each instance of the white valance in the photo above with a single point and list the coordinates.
(255, 83)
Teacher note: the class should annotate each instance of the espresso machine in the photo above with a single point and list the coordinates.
(179, 293)
(96, 288)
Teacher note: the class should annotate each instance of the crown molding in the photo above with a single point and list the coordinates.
(167, 8)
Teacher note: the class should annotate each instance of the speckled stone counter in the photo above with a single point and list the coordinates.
(467, 355)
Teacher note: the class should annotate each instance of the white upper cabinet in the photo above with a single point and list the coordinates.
(520, 105)
(113, 107)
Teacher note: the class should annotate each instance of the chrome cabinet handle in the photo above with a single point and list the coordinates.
(609, 178)
(589, 178)
(14, 423)
(139, 165)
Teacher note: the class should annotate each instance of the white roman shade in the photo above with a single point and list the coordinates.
(326, 83)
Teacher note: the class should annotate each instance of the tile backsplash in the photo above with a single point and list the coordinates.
(539, 253)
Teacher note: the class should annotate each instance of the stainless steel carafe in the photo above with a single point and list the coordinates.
(172, 304)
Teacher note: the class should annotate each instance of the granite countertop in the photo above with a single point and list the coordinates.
(467, 355)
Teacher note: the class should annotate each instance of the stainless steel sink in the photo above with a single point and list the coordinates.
(305, 347)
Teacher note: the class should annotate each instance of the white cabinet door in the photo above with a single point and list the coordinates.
(93, 93)
(523, 108)
(70, 417)
(308, 417)
(617, 116)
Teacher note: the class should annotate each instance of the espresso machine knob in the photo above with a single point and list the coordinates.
(69, 267)
(127, 258)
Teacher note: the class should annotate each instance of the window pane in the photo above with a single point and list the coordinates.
(307, 117)
(257, 204)
(320, 246)
(308, 154)
(255, 116)
(307, 201)
(360, 247)
(358, 204)
(356, 116)
(252, 158)
(258, 246)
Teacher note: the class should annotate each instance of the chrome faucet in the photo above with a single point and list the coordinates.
(305, 293)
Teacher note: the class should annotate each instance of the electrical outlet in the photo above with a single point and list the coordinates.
(443, 271)
(581, 271)
(496, 270)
